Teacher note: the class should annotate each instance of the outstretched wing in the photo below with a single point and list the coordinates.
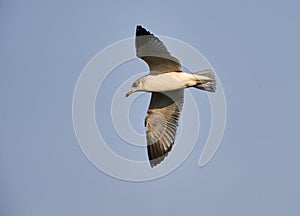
(161, 123)
(154, 53)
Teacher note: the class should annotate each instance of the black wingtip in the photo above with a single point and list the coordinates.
(142, 31)
(156, 161)
(159, 156)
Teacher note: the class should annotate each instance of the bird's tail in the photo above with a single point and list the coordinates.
(205, 80)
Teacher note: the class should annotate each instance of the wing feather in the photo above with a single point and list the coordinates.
(154, 52)
(161, 123)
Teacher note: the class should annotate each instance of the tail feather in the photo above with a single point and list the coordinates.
(205, 80)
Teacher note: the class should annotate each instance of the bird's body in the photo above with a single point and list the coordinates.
(166, 82)
(161, 82)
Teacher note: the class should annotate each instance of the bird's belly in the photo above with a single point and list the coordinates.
(165, 81)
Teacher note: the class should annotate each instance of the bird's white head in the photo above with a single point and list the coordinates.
(136, 86)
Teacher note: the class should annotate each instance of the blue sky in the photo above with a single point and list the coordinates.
(254, 48)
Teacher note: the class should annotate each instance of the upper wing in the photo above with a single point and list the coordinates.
(154, 53)
(161, 123)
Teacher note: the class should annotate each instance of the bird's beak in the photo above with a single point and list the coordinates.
(130, 92)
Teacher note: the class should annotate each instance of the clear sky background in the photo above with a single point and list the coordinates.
(254, 48)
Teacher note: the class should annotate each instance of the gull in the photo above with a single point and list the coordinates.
(166, 82)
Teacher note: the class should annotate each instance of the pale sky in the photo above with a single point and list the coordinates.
(255, 50)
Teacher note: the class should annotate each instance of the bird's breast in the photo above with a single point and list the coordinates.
(164, 81)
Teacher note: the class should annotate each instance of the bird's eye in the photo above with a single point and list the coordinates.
(134, 84)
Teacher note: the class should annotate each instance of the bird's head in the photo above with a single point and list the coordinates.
(136, 86)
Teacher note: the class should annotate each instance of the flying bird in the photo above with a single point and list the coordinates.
(166, 83)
